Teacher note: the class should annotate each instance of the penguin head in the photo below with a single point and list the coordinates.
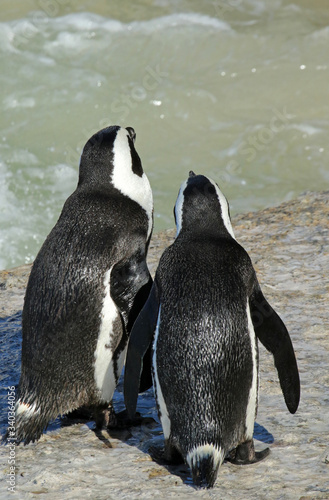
(109, 161)
(202, 207)
(109, 150)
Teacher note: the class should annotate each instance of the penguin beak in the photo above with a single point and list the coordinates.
(132, 133)
(191, 174)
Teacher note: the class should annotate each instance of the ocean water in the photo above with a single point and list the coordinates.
(237, 90)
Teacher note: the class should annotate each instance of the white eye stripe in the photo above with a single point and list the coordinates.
(179, 207)
(224, 208)
(165, 419)
(126, 181)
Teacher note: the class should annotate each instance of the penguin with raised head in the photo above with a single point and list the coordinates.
(86, 288)
(204, 314)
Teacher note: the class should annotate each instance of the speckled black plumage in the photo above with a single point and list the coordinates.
(202, 317)
(99, 228)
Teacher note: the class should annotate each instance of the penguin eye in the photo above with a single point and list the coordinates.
(210, 188)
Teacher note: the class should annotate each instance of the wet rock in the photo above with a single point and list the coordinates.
(289, 246)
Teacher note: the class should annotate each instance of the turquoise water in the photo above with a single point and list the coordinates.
(236, 90)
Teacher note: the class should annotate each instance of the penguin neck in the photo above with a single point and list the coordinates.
(97, 176)
(204, 231)
(93, 185)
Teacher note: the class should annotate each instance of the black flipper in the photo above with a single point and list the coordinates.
(130, 285)
(146, 381)
(140, 343)
(271, 331)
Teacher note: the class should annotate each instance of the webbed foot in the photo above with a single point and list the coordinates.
(245, 454)
(168, 455)
(107, 418)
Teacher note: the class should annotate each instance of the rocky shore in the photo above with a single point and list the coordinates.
(289, 246)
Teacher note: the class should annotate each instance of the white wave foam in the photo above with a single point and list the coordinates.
(305, 128)
(6, 38)
(12, 101)
(180, 20)
(79, 30)
(87, 21)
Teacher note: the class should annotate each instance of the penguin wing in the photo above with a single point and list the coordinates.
(139, 350)
(130, 285)
(274, 336)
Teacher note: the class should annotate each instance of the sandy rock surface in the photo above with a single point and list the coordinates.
(289, 246)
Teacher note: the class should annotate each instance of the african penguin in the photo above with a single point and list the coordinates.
(86, 287)
(204, 314)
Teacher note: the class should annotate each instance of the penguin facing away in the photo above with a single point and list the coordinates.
(86, 288)
(202, 320)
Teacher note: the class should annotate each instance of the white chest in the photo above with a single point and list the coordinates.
(164, 416)
(105, 371)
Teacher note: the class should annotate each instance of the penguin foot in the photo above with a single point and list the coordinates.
(245, 454)
(121, 420)
(159, 456)
(168, 455)
(107, 418)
